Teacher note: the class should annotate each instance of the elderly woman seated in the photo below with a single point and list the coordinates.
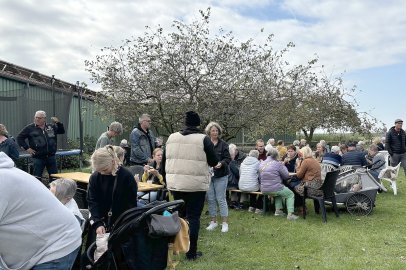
(272, 173)
(64, 190)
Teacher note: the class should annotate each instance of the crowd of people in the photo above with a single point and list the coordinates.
(194, 166)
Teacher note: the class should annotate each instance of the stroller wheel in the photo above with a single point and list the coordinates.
(359, 204)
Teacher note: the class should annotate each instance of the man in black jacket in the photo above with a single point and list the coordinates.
(42, 142)
(396, 144)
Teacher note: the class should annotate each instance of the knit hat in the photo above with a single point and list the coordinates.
(192, 119)
(398, 121)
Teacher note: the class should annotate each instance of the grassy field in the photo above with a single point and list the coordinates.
(377, 241)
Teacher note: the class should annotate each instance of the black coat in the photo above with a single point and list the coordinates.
(100, 199)
(223, 155)
(43, 141)
(395, 141)
(234, 166)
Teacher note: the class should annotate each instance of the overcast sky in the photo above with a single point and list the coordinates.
(364, 39)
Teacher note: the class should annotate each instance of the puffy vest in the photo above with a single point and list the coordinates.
(186, 163)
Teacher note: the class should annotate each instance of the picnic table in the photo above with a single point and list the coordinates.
(82, 177)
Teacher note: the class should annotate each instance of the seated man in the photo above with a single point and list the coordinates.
(64, 190)
(378, 161)
(37, 231)
(237, 157)
(354, 157)
(333, 157)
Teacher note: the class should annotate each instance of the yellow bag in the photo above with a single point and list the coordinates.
(180, 244)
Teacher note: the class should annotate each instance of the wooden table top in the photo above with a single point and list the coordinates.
(84, 178)
(77, 176)
(144, 187)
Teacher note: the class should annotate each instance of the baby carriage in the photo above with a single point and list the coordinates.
(129, 243)
(356, 189)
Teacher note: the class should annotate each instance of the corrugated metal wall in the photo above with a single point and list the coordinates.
(93, 125)
(19, 101)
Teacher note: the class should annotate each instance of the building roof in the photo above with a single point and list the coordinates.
(33, 77)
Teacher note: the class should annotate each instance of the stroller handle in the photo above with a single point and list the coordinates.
(172, 204)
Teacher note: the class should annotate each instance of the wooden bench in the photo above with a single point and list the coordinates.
(265, 198)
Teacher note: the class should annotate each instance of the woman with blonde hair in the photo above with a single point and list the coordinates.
(112, 189)
(153, 172)
(309, 171)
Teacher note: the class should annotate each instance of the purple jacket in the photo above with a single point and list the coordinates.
(272, 173)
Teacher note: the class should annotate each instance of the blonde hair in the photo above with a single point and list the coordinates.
(3, 130)
(105, 157)
(306, 152)
(377, 140)
(120, 153)
(213, 124)
(156, 150)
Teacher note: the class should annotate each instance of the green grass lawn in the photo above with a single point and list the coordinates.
(377, 241)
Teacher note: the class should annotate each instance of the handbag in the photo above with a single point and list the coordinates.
(181, 242)
(163, 225)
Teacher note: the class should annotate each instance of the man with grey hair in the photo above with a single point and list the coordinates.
(42, 142)
(142, 141)
(106, 138)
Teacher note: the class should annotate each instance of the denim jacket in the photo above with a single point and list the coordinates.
(141, 146)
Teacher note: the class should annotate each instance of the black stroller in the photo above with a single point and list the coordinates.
(129, 244)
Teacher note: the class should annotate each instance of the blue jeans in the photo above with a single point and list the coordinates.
(40, 163)
(64, 263)
(217, 194)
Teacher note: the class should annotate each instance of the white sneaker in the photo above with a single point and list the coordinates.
(224, 227)
(279, 213)
(258, 211)
(251, 209)
(212, 226)
(292, 217)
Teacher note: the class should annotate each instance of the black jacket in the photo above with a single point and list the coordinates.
(100, 199)
(234, 166)
(223, 155)
(355, 158)
(42, 141)
(395, 141)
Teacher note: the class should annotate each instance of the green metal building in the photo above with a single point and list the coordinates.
(24, 91)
